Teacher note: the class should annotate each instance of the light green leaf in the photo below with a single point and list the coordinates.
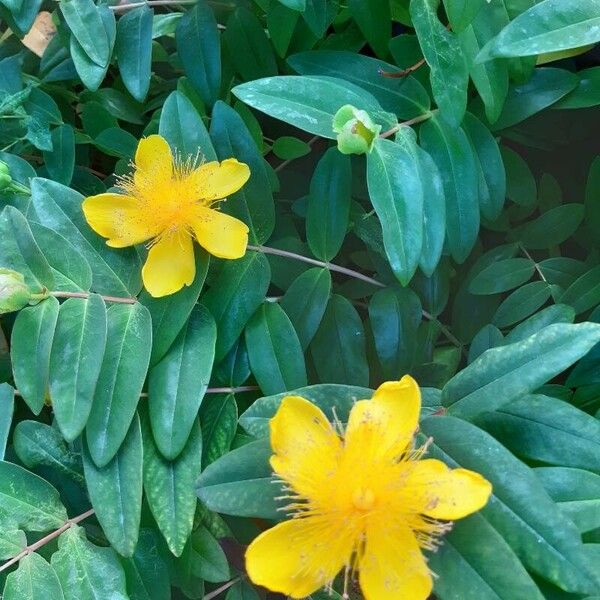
(75, 361)
(122, 375)
(169, 487)
(309, 102)
(449, 74)
(31, 342)
(7, 406)
(116, 491)
(396, 193)
(549, 26)
(503, 374)
(87, 571)
(176, 385)
(32, 503)
(33, 579)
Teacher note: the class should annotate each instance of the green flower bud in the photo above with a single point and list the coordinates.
(4, 168)
(14, 292)
(356, 130)
(5, 181)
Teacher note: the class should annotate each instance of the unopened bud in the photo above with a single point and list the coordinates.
(14, 292)
(356, 130)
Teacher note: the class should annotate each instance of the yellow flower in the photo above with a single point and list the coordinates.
(363, 502)
(171, 203)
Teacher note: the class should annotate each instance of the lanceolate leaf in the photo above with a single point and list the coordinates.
(503, 374)
(75, 361)
(397, 196)
(122, 375)
(34, 578)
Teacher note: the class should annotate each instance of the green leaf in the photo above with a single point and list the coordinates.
(583, 293)
(397, 196)
(501, 375)
(116, 491)
(374, 20)
(134, 51)
(577, 493)
(169, 487)
(434, 205)
(37, 444)
(31, 341)
(559, 313)
(241, 483)
(85, 22)
(317, 16)
(248, 46)
(12, 540)
(521, 187)
(20, 252)
(91, 72)
(176, 385)
(587, 92)
(181, 125)
(253, 204)
(549, 26)
(245, 591)
(487, 337)
(492, 177)
(87, 571)
(116, 142)
(32, 503)
(547, 430)
(490, 78)
(405, 97)
(170, 313)
(33, 579)
(122, 375)
(209, 562)
(309, 102)
(545, 87)
(236, 293)
(551, 228)
(592, 206)
(75, 361)
(218, 419)
(395, 315)
(7, 405)
(274, 350)
(449, 74)
(199, 50)
(487, 570)
(60, 162)
(281, 23)
(289, 147)
(453, 155)
(502, 275)
(521, 303)
(520, 510)
(146, 572)
(71, 270)
(116, 271)
(328, 212)
(305, 302)
(338, 347)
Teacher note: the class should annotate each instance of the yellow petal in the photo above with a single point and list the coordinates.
(393, 567)
(299, 556)
(381, 429)
(306, 447)
(170, 264)
(213, 180)
(431, 488)
(153, 161)
(222, 235)
(118, 218)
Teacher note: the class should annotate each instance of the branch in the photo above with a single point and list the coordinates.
(33, 547)
(122, 300)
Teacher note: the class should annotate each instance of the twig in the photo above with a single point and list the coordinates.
(33, 547)
(404, 72)
(224, 587)
(535, 264)
(122, 300)
(124, 7)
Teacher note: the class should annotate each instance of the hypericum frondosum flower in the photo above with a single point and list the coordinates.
(364, 502)
(169, 203)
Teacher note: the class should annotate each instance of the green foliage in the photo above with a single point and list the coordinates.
(447, 225)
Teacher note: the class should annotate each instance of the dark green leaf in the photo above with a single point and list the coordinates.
(502, 275)
(521, 303)
(60, 162)
(374, 20)
(587, 92)
(7, 405)
(584, 293)
(218, 418)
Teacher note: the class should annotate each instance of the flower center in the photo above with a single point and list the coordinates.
(363, 499)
